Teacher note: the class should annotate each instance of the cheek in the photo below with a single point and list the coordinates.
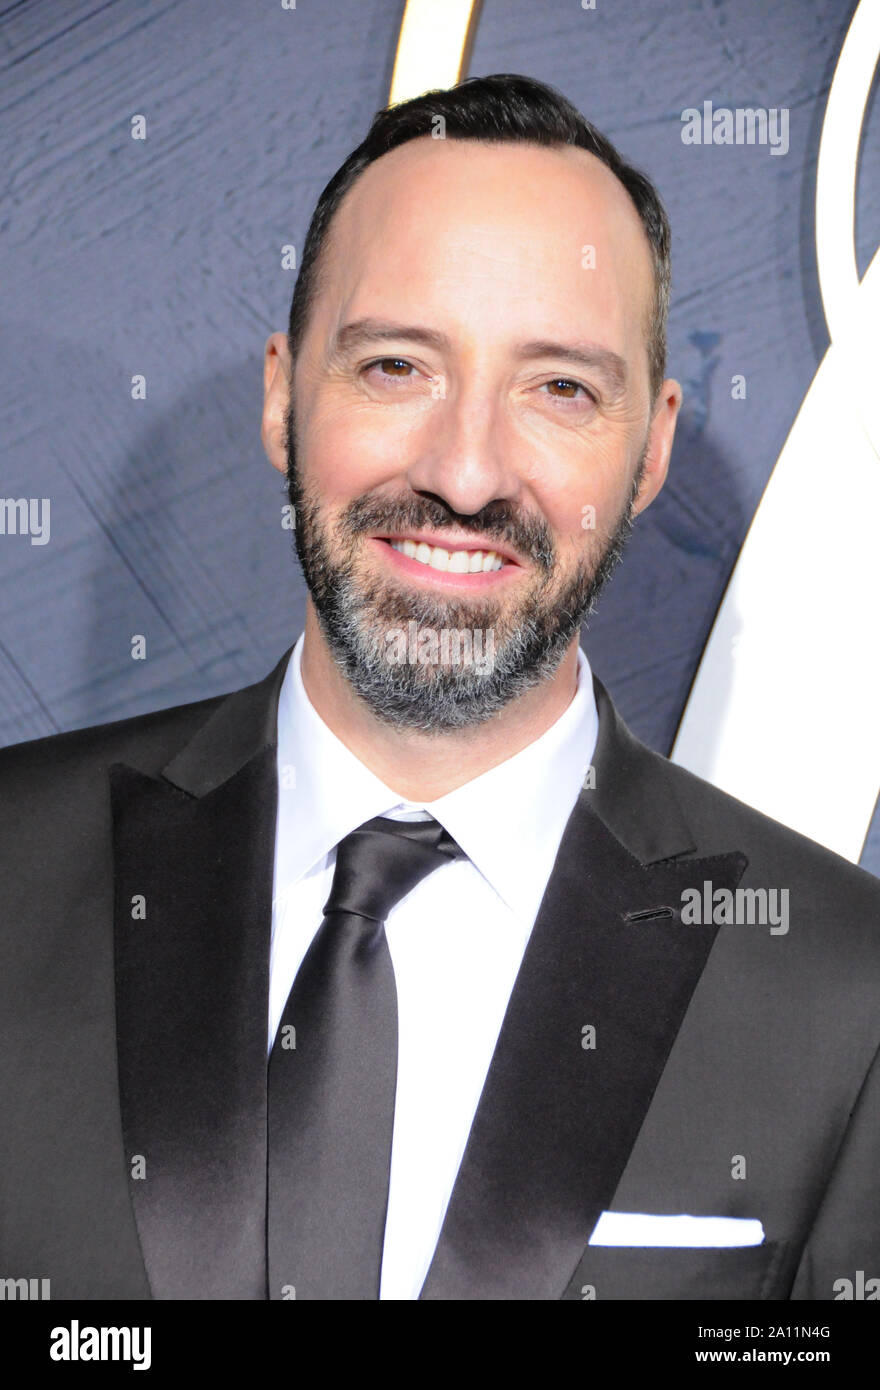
(349, 450)
(581, 494)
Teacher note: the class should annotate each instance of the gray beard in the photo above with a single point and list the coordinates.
(388, 641)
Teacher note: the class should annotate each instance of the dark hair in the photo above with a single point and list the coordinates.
(502, 107)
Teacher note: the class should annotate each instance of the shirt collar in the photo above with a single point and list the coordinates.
(325, 792)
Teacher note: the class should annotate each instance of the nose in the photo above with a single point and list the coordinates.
(465, 453)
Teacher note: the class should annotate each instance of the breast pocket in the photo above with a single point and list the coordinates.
(673, 1272)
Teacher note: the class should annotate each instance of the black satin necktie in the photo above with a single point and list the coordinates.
(333, 1073)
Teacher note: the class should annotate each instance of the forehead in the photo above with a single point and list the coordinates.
(547, 238)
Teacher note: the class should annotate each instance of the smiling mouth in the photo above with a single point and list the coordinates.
(454, 561)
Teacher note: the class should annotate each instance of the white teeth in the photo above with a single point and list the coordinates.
(439, 558)
(458, 561)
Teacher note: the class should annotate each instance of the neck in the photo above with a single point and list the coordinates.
(420, 766)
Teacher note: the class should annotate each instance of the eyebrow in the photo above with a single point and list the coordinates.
(355, 335)
(591, 356)
(588, 355)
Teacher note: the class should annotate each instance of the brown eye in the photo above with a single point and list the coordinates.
(394, 366)
(564, 388)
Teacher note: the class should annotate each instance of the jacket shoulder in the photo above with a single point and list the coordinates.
(718, 816)
(61, 765)
(644, 785)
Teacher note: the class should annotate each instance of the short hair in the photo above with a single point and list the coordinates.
(503, 107)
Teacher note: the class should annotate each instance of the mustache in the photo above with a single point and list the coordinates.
(527, 536)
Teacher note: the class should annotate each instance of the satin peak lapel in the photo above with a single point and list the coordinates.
(193, 861)
(562, 1107)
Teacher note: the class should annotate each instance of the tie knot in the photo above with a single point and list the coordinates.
(381, 861)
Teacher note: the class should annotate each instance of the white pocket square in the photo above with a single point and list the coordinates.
(637, 1228)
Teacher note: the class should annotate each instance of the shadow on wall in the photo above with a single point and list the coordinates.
(171, 531)
(195, 540)
(654, 618)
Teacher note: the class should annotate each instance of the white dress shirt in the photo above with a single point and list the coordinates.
(456, 941)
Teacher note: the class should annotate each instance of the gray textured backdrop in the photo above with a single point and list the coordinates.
(162, 257)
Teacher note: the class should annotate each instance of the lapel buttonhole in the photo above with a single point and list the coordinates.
(651, 914)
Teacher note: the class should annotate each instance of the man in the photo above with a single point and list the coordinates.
(545, 1015)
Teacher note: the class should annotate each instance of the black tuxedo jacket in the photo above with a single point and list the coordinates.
(734, 1069)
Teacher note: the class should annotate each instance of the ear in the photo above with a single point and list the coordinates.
(659, 446)
(277, 372)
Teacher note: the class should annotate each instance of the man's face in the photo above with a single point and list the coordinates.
(473, 377)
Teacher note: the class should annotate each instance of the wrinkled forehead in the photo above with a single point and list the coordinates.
(514, 235)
